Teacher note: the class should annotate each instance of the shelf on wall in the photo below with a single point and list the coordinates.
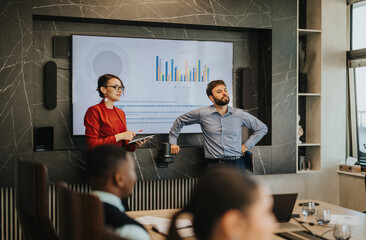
(304, 32)
(309, 94)
(312, 153)
(309, 144)
(309, 110)
(309, 85)
(308, 171)
(313, 54)
(310, 14)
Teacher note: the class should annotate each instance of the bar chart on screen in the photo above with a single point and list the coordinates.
(167, 71)
(164, 78)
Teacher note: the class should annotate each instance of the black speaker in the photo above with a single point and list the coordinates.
(165, 156)
(43, 139)
(247, 91)
(61, 47)
(50, 85)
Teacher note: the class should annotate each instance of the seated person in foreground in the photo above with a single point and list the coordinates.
(112, 176)
(227, 205)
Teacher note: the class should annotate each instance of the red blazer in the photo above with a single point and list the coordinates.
(100, 130)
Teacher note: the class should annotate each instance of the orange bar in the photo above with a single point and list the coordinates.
(187, 79)
(186, 70)
(206, 73)
(203, 75)
(197, 77)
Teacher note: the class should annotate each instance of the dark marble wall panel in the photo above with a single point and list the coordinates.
(16, 125)
(245, 55)
(16, 73)
(237, 13)
(189, 163)
(262, 163)
(69, 166)
(284, 86)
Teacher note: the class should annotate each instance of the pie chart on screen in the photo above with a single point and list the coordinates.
(105, 58)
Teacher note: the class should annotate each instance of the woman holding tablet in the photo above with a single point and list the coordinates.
(105, 123)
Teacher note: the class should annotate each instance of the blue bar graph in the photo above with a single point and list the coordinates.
(166, 71)
(187, 74)
(199, 70)
(157, 68)
(172, 73)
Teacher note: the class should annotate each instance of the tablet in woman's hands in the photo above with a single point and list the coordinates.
(140, 139)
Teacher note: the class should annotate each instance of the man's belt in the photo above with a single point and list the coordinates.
(225, 159)
(248, 160)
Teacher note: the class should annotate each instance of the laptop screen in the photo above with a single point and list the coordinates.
(283, 206)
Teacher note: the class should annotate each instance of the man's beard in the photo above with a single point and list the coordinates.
(222, 101)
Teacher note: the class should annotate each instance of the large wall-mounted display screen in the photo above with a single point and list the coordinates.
(163, 78)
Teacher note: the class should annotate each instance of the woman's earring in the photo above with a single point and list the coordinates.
(105, 99)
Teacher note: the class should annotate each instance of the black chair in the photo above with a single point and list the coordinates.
(32, 201)
(81, 216)
(365, 190)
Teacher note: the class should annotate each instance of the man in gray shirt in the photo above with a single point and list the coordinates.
(221, 128)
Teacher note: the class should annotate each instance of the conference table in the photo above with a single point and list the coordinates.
(358, 232)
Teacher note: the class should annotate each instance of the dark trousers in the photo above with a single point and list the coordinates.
(238, 164)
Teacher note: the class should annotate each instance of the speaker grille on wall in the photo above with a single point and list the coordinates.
(50, 85)
(61, 47)
(43, 139)
(247, 93)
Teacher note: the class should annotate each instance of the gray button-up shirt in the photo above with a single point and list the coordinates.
(221, 134)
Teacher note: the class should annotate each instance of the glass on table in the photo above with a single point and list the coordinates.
(308, 208)
(323, 216)
(342, 232)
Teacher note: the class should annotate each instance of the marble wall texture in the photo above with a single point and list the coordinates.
(16, 86)
(26, 45)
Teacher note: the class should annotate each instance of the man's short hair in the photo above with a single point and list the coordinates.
(103, 161)
(211, 85)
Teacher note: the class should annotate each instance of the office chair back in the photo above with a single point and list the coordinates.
(32, 201)
(81, 216)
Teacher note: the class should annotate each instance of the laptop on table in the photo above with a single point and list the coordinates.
(283, 205)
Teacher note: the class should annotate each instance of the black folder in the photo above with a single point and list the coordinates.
(249, 161)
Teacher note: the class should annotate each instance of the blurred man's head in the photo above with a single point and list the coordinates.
(217, 92)
(111, 169)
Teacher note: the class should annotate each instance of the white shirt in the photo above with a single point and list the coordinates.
(128, 231)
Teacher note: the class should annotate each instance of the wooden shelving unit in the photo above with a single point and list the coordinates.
(309, 94)
(309, 101)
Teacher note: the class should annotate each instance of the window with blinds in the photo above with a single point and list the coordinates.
(357, 79)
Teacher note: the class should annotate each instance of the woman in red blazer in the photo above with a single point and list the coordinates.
(104, 123)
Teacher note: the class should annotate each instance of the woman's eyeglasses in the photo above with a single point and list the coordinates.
(115, 87)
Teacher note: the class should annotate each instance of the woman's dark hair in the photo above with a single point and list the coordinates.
(217, 192)
(103, 80)
(211, 85)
